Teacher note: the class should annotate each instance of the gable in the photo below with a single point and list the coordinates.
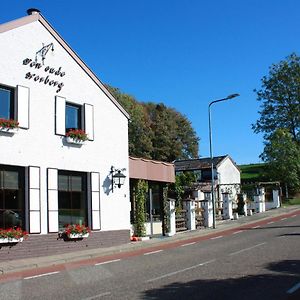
(27, 24)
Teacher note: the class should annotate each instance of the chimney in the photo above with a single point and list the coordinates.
(33, 11)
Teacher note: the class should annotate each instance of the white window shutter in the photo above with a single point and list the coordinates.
(95, 188)
(53, 200)
(34, 200)
(60, 115)
(89, 121)
(23, 106)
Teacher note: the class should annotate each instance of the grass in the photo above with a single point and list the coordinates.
(253, 173)
(288, 202)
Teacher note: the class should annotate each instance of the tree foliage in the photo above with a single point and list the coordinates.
(157, 131)
(282, 154)
(280, 97)
(141, 189)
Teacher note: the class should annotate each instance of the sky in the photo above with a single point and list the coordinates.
(183, 53)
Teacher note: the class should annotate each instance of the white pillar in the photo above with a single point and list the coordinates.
(172, 218)
(245, 205)
(227, 206)
(276, 199)
(259, 200)
(208, 210)
(191, 216)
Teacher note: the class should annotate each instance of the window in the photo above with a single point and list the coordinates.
(72, 200)
(73, 117)
(11, 197)
(70, 116)
(6, 102)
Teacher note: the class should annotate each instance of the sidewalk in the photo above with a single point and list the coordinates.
(65, 258)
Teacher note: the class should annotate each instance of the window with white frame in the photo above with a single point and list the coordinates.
(7, 103)
(14, 104)
(70, 116)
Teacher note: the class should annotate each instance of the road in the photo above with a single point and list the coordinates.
(257, 262)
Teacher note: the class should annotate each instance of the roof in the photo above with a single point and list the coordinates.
(37, 17)
(199, 163)
(152, 170)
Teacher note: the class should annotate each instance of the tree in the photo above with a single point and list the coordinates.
(280, 97)
(282, 154)
(157, 131)
(139, 131)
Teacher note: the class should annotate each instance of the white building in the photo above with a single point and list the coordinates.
(46, 181)
(227, 175)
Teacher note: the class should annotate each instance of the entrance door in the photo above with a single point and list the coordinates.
(154, 209)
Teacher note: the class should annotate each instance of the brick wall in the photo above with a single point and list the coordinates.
(43, 245)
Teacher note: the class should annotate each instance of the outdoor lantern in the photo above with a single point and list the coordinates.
(118, 178)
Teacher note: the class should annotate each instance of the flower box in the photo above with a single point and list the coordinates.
(9, 126)
(11, 240)
(74, 141)
(78, 235)
(75, 231)
(76, 136)
(9, 130)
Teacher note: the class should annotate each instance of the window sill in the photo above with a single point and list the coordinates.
(10, 131)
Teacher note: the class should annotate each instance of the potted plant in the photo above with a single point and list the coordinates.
(12, 235)
(76, 231)
(9, 125)
(76, 136)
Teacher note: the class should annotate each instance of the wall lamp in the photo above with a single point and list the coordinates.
(117, 177)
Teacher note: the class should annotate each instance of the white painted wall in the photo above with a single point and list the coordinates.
(39, 146)
(228, 172)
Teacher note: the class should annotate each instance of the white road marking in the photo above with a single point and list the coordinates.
(153, 252)
(107, 262)
(270, 222)
(283, 219)
(246, 249)
(40, 275)
(216, 237)
(181, 271)
(238, 232)
(188, 244)
(294, 288)
(256, 227)
(97, 296)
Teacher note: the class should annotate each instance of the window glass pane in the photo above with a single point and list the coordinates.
(5, 96)
(64, 200)
(71, 199)
(10, 180)
(76, 183)
(13, 200)
(63, 183)
(11, 197)
(72, 117)
(78, 200)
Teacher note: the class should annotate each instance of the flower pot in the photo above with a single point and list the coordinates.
(11, 240)
(74, 141)
(78, 235)
(9, 130)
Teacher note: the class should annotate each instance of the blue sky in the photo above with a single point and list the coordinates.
(184, 53)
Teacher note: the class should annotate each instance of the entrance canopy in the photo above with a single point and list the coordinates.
(151, 170)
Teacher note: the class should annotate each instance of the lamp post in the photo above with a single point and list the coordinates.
(211, 154)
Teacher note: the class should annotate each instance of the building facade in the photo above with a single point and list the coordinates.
(47, 179)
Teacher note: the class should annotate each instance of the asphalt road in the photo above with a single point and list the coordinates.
(255, 263)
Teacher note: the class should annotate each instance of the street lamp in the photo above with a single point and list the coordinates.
(211, 154)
